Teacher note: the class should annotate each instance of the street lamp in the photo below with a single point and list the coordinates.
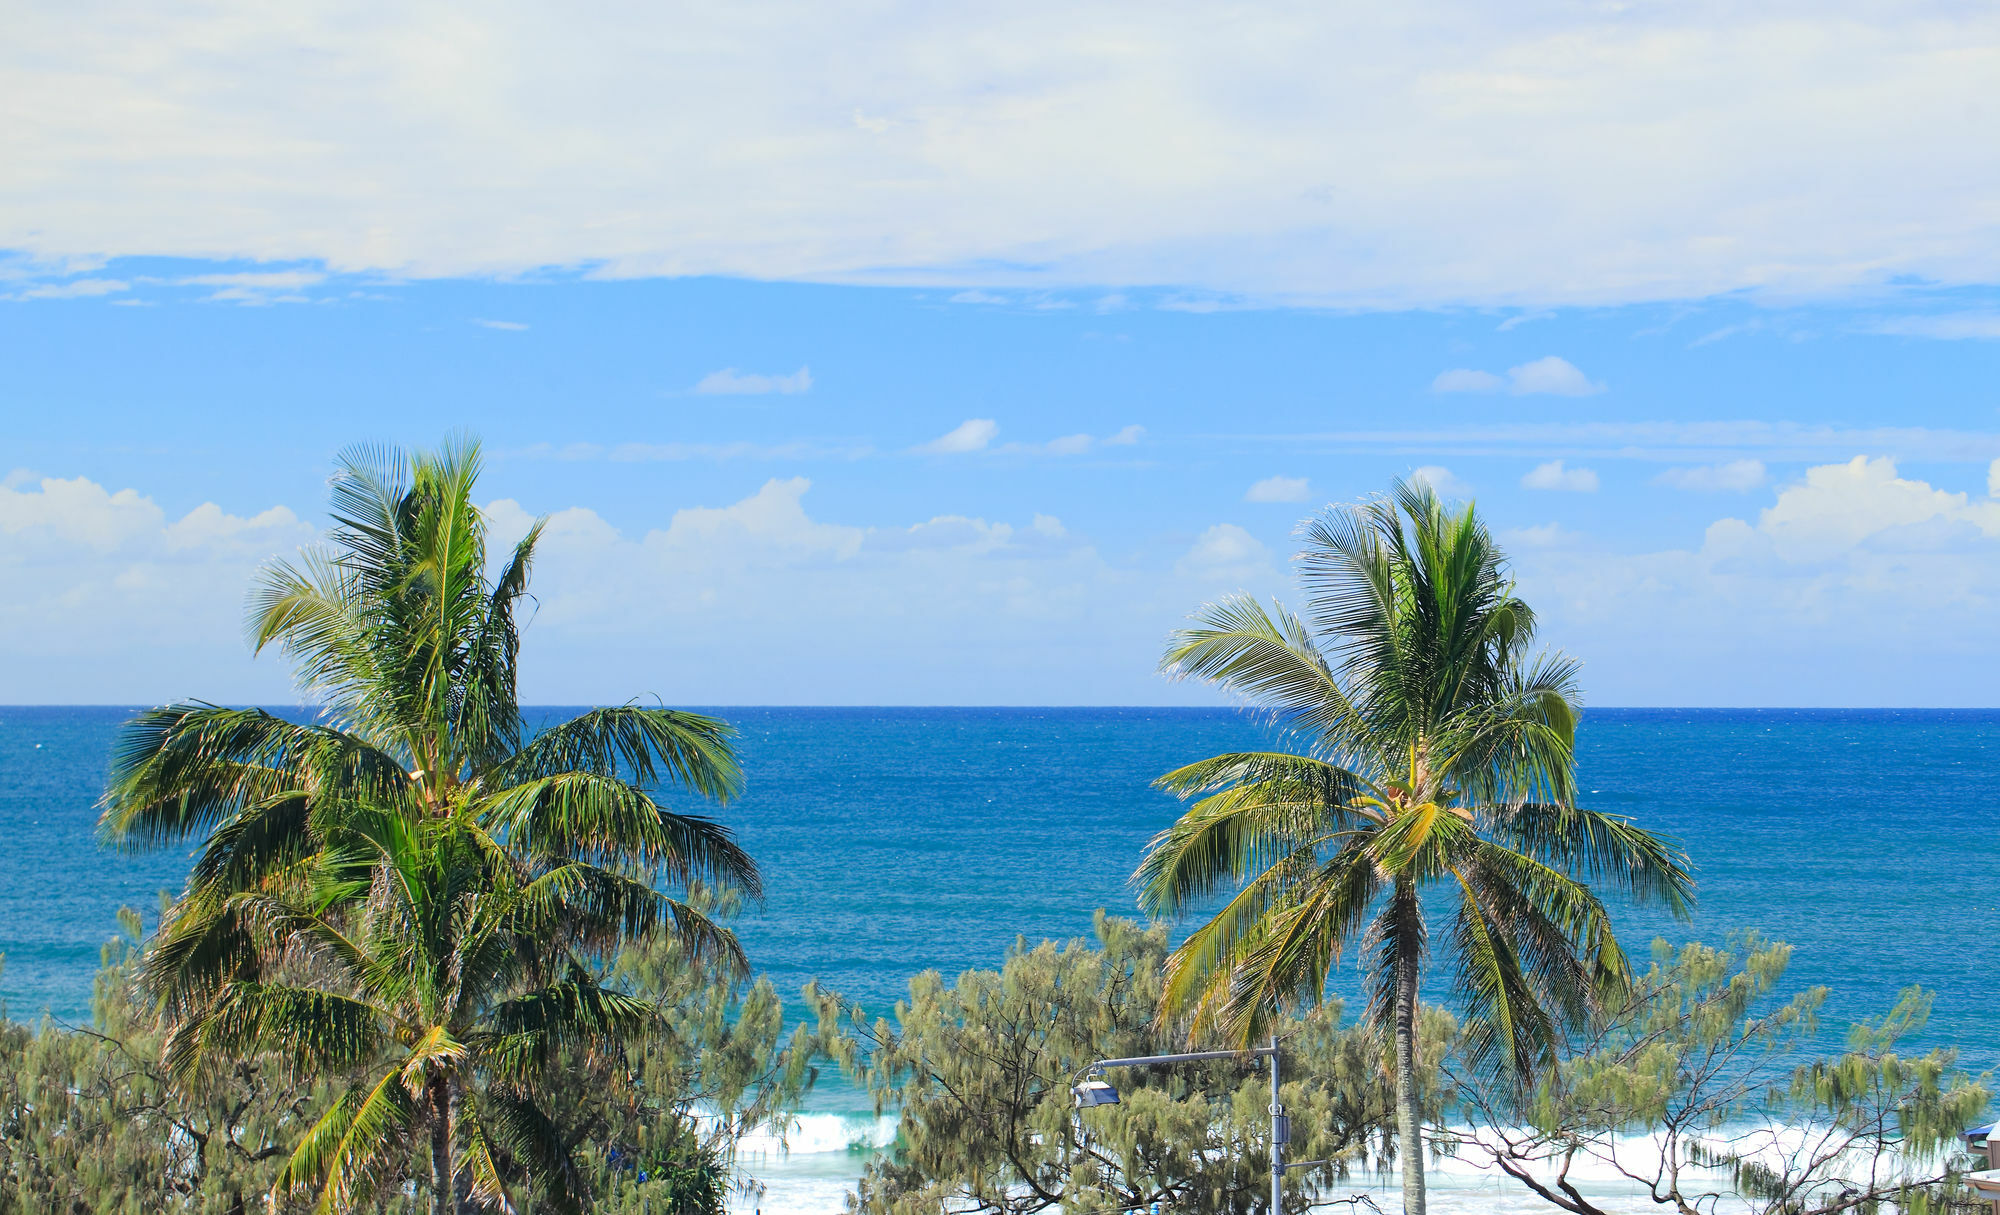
(1093, 1090)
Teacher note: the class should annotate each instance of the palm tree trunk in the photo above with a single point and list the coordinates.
(444, 1196)
(1409, 1119)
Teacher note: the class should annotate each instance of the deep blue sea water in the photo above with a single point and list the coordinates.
(895, 840)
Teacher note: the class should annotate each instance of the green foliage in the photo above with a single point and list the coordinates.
(91, 1121)
(410, 893)
(1705, 1056)
(91, 1124)
(981, 1071)
(1435, 752)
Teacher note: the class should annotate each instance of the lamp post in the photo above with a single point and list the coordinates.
(1092, 1090)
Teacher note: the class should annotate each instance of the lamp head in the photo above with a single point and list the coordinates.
(1094, 1092)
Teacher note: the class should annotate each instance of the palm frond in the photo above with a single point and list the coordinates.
(648, 747)
(585, 815)
(1270, 804)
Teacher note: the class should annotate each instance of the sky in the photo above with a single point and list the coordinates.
(897, 354)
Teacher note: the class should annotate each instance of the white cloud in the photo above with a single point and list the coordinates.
(1550, 376)
(973, 434)
(1070, 445)
(1465, 379)
(109, 599)
(730, 382)
(1322, 152)
(1126, 436)
(1855, 585)
(75, 289)
(508, 326)
(255, 287)
(1734, 476)
(1670, 442)
(1279, 489)
(1993, 479)
(1226, 554)
(1441, 481)
(1553, 475)
(1839, 506)
(953, 609)
(1948, 326)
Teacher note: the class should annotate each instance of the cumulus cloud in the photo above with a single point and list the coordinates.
(1553, 475)
(1441, 481)
(1325, 152)
(973, 434)
(952, 609)
(730, 382)
(109, 598)
(1735, 476)
(1854, 585)
(1279, 489)
(1226, 554)
(1839, 506)
(1550, 376)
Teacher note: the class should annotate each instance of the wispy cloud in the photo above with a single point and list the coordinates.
(257, 286)
(1734, 476)
(973, 434)
(1075, 445)
(509, 326)
(731, 382)
(76, 289)
(1549, 376)
(644, 453)
(1658, 442)
(1948, 326)
(1279, 489)
(1554, 475)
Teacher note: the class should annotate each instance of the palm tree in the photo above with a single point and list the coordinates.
(1435, 756)
(410, 648)
(441, 995)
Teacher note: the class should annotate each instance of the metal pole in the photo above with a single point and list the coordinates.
(1277, 1148)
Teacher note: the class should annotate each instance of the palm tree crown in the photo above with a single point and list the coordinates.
(352, 856)
(1437, 754)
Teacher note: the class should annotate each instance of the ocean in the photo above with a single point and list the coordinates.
(903, 839)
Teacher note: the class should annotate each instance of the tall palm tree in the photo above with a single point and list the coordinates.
(399, 634)
(1435, 756)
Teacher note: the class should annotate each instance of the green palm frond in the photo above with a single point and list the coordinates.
(648, 747)
(315, 1031)
(354, 1138)
(1270, 804)
(1268, 659)
(1609, 848)
(583, 814)
(514, 1120)
(183, 769)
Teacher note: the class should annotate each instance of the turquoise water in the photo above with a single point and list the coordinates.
(899, 839)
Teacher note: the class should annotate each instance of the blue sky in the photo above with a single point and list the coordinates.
(961, 369)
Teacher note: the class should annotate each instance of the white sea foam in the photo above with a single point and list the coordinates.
(828, 1151)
